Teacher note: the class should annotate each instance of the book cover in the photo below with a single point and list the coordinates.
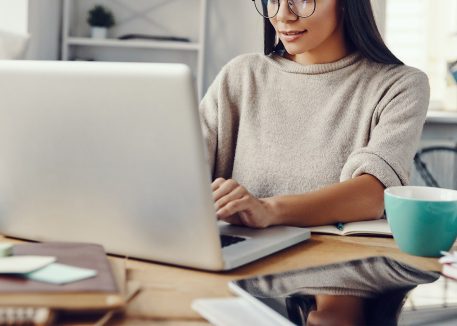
(99, 292)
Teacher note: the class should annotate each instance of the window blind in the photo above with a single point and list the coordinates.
(420, 33)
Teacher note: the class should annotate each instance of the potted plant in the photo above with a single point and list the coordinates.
(100, 19)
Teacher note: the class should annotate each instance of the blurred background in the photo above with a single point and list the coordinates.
(422, 33)
(206, 34)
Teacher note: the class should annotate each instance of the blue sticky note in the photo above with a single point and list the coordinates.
(60, 274)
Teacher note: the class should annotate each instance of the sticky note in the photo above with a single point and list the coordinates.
(61, 274)
(24, 264)
(6, 249)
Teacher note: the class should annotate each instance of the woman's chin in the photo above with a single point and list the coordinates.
(294, 50)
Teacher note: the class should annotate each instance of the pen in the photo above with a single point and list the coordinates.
(340, 226)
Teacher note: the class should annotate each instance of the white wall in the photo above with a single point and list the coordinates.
(44, 29)
(13, 16)
(379, 8)
(233, 28)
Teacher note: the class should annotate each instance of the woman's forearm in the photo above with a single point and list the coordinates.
(358, 199)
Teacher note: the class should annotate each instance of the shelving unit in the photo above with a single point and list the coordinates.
(75, 41)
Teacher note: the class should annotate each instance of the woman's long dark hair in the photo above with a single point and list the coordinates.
(360, 31)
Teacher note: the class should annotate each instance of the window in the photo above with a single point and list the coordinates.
(422, 33)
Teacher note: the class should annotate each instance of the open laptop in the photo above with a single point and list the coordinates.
(113, 153)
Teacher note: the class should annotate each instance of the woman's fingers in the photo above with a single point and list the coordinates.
(224, 188)
(233, 207)
(235, 194)
(217, 183)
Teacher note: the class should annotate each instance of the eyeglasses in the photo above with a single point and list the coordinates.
(270, 8)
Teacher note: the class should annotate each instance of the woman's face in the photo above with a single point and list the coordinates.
(317, 32)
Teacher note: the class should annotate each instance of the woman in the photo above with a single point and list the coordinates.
(313, 131)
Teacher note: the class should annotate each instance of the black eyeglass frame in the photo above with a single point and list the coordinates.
(290, 8)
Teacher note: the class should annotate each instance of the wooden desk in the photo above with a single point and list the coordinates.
(167, 291)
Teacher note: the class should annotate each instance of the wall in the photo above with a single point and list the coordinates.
(379, 8)
(233, 28)
(44, 30)
(13, 16)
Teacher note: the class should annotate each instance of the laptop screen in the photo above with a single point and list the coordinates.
(372, 291)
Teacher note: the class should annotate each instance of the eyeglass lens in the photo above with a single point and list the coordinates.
(270, 8)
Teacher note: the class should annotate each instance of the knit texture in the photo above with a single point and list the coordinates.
(279, 127)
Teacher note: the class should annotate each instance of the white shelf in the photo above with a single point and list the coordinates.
(73, 41)
(149, 44)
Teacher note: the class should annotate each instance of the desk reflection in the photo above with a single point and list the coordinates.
(369, 291)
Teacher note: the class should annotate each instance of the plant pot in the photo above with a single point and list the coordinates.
(98, 32)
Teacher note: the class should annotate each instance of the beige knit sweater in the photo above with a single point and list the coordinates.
(279, 127)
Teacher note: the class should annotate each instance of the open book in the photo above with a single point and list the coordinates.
(375, 227)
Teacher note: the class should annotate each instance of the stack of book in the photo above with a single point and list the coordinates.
(64, 287)
(449, 262)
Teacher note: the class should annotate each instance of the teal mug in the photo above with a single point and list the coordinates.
(423, 220)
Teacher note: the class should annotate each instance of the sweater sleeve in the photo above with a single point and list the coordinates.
(395, 137)
(209, 122)
(219, 119)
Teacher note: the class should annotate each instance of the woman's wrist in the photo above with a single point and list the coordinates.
(273, 206)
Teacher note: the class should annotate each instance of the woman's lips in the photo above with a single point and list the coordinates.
(291, 36)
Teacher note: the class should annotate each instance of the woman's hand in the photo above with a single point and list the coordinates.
(235, 205)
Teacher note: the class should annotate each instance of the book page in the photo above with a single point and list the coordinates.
(326, 229)
(377, 227)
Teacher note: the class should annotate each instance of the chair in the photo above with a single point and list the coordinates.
(436, 166)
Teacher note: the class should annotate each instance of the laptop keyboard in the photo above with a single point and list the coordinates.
(227, 240)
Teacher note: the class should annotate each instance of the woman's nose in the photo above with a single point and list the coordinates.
(284, 13)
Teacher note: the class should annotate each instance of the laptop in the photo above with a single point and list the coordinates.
(113, 153)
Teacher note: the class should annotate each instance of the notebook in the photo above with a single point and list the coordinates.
(374, 227)
(100, 292)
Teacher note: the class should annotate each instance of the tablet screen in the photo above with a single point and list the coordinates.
(372, 291)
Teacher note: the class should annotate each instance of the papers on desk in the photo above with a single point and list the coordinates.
(75, 277)
(243, 310)
(449, 264)
(42, 268)
(233, 312)
(24, 264)
(6, 249)
(60, 274)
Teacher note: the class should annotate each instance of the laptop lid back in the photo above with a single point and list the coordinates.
(109, 153)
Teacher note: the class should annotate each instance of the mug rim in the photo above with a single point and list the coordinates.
(388, 192)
